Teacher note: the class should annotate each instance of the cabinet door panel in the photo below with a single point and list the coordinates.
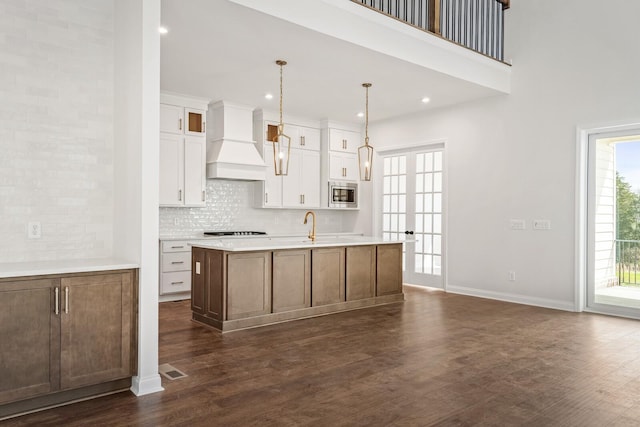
(336, 140)
(213, 282)
(291, 280)
(194, 122)
(310, 179)
(96, 329)
(29, 348)
(361, 272)
(272, 182)
(310, 138)
(248, 284)
(171, 170)
(171, 119)
(389, 269)
(292, 184)
(195, 157)
(327, 276)
(352, 141)
(350, 163)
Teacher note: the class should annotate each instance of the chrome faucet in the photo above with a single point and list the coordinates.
(312, 233)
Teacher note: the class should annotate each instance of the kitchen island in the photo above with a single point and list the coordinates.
(244, 283)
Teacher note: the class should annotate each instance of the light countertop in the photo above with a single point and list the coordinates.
(201, 236)
(38, 268)
(278, 243)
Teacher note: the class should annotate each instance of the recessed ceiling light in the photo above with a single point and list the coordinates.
(163, 30)
(268, 96)
(360, 114)
(425, 100)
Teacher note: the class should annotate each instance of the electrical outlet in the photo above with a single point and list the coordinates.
(541, 224)
(512, 276)
(34, 230)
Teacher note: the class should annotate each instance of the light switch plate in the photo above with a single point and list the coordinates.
(34, 230)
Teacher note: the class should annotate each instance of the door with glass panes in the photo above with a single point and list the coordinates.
(412, 209)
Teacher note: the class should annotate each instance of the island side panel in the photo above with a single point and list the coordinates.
(248, 284)
(291, 280)
(327, 276)
(214, 284)
(197, 280)
(360, 272)
(389, 269)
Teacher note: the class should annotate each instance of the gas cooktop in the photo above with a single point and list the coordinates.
(234, 233)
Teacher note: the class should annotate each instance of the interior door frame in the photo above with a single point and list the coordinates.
(376, 197)
(584, 134)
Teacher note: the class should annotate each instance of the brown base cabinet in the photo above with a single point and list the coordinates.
(62, 333)
(327, 276)
(236, 290)
(291, 280)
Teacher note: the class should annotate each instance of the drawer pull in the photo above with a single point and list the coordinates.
(177, 247)
(177, 262)
(177, 283)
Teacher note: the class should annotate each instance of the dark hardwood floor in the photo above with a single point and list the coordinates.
(436, 359)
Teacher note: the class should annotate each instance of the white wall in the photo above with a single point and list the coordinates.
(574, 63)
(56, 128)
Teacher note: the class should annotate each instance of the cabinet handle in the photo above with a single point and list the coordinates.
(66, 299)
(266, 197)
(179, 195)
(302, 141)
(303, 199)
(177, 247)
(56, 292)
(177, 283)
(204, 127)
(344, 144)
(203, 196)
(179, 124)
(177, 262)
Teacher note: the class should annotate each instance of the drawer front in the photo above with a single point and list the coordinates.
(177, 281)
(175, 246)
(177, 261)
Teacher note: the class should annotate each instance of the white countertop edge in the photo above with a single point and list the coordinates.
(201, 236)
(41, 268)
(249, 245)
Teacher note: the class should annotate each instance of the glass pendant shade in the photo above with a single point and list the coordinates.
(281, 152)
(365, 161)
(365, 152)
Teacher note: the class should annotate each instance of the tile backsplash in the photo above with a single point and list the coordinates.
(56, 128)
(230, 207)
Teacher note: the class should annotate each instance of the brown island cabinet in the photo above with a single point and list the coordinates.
(241, 289)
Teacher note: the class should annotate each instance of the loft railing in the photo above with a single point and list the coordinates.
(476, 24)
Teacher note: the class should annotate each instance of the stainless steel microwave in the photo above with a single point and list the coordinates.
(343, 195)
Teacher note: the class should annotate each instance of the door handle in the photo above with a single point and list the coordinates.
(408, 232)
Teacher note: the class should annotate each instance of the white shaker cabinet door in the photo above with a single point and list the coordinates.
(194, 171)
(310, 178)
(171, 170)
(171, 119)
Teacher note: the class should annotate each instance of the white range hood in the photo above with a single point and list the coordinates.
(231, 150)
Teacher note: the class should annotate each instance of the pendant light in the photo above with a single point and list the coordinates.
(365, 152)
(281, 142)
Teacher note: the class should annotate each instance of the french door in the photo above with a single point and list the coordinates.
(613, 220)
(412, 209)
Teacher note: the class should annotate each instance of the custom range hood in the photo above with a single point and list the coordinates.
(231, 151)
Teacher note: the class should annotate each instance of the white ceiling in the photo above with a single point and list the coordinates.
(219, 50)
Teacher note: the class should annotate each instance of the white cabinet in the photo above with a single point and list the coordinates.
(182, 151)
(343, 166)
(301, 187)
(182, 170)
(175, 270)
(344, 140)
(171, 119)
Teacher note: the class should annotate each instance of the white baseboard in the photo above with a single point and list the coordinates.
(519, 299)
(147, 385)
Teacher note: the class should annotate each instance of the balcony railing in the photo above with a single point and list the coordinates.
(628, 262)
(475, 24)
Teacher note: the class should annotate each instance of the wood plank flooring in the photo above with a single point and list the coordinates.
(436, 359)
